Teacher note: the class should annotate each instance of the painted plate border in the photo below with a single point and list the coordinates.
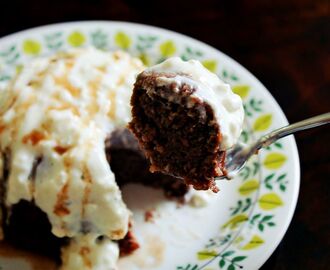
(261, 217)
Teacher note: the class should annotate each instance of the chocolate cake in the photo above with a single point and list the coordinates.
(185, 119)
(177, 132)
(65, 153)
(128, 163)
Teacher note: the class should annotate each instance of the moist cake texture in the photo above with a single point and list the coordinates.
(185, 119)
(130, 165)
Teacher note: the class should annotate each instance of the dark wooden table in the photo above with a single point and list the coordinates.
(284, 43)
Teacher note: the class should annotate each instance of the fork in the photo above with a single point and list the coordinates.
(238, 155)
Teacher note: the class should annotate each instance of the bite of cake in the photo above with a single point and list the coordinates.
(185, 118)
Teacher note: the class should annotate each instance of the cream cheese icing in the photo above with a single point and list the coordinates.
(57, 113)
(227, 106)
(86, 253)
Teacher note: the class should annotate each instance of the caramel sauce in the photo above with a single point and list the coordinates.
(116, 55)
(121, 80)
(94, 85)
(10, 103)
(84, 252)
(2, 128)
(33, 137)
(67, 162)
(69, 63)
(61, 149)
(88, 179)
(64, 82)
(64, 107)
(112, 110)
(35, 83)
(118, 234)
(21, 109)
(102, 69)
(60, 209)
(87, 175)
(85, 199)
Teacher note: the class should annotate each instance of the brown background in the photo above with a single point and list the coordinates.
(284, 43)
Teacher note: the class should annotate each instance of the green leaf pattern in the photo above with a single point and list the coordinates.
(191, 53)
(10, 55)
(230, 260)
(54, 41)
(99, 39)
(260, 198)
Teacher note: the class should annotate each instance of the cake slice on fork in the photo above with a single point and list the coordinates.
(185, 118)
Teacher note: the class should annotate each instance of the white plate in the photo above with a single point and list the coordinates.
(241, 226)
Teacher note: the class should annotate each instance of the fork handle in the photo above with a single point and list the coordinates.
(273, 136)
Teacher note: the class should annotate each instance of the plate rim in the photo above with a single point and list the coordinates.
(264, 256)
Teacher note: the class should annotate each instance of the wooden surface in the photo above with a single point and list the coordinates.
(284, 43)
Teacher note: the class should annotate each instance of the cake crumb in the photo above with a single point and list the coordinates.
(149, 216)
(197, 201)
(128, 244)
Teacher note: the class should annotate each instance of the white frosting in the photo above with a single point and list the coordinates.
(227, 106)
(59, 110)
(86, 253)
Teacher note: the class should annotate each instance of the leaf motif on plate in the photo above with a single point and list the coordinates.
(99, 39)
(145, 59)
(18, 69)
(10, 55)
(263, 122)
(238, 259)
(190, 53)
(76, 39)
(241, 90)
(231, 267)
(235, 221)
(122, 40)
(211, 65)
(206, 254)
(232, 262)
(274, 161)
(255, 242)
(222, 263)
(167, 48)
(227, 253)
(248, 187)
(270, 201)
(188, 267)
(31, 47)
(239, 239)
(54, 41)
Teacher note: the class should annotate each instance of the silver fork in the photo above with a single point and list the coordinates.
(240, 153)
